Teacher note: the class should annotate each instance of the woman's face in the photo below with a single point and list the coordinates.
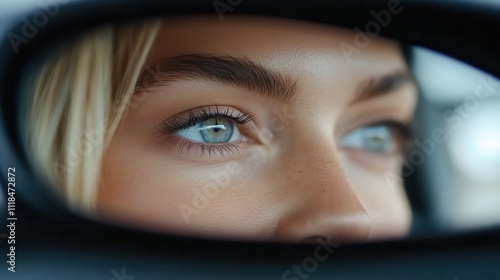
(261, 128)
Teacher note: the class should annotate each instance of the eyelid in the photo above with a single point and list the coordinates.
(189, 118)
(371, 118)
(405, 129)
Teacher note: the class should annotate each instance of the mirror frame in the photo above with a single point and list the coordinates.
(465, 30)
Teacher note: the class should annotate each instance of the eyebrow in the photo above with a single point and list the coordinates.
(244, 73)
(376, 86)
(233, 71)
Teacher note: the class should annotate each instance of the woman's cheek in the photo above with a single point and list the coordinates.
(140, 191)
(210, 199)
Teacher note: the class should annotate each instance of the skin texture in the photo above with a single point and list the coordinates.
(292, 178)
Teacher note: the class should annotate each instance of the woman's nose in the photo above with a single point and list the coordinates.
(325, 203)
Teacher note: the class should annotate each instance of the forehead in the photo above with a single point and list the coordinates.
(280, 43)
(322, 58)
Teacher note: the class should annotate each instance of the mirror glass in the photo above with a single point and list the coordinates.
(265, 129)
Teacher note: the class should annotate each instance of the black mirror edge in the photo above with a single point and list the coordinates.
(480, 50)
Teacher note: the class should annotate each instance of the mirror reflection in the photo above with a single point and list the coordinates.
(265, 129)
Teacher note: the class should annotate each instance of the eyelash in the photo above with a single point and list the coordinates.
(196, 116)
(173, 124)
(403, 129)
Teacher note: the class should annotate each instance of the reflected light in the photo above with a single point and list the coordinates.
(488, 145)
(475, 144)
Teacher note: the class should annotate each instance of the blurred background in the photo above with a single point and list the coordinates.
(458, 142)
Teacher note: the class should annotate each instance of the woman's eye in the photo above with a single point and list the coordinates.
(213, 130)
(378, 139)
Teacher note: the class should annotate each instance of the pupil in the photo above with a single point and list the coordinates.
(376, 138)
(216, 130)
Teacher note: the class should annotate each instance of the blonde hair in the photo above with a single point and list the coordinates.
(78, 101)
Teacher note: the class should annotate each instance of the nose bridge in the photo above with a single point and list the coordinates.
(326, 204)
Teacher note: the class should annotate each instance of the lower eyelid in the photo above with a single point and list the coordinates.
(208, 149)
(183, 148)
